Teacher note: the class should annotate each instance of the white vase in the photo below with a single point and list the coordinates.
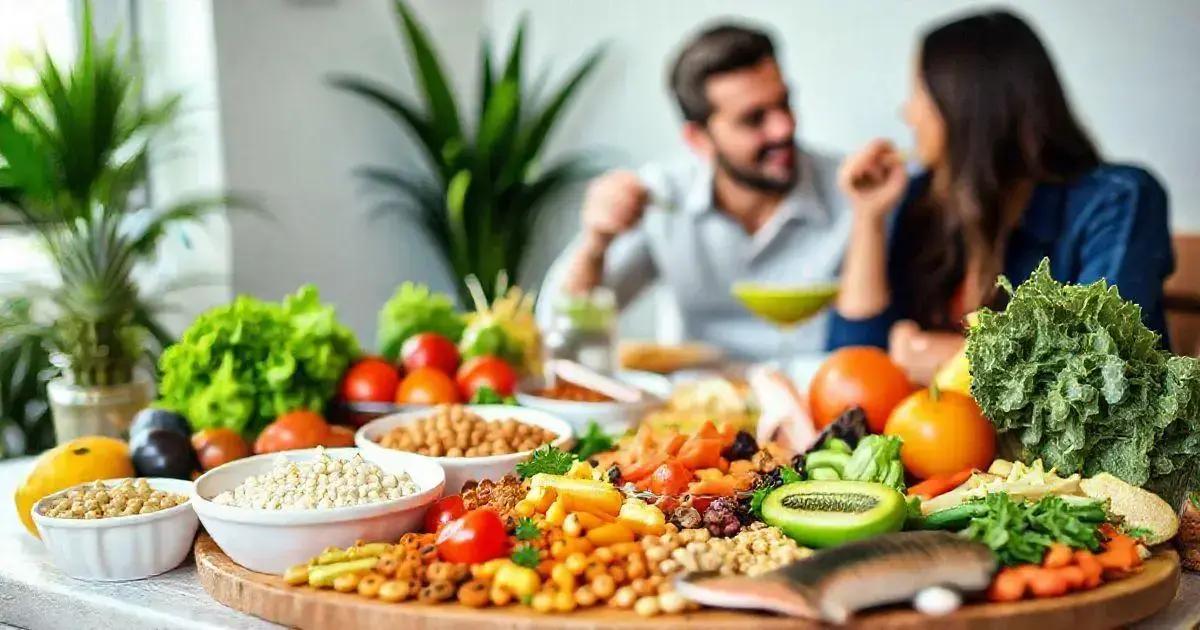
(107, 410)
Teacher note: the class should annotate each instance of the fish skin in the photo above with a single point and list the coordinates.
(832, 584)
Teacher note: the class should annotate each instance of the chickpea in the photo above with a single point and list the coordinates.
(624, 597)
(603, 586)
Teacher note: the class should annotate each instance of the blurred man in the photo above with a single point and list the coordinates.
(749, 205)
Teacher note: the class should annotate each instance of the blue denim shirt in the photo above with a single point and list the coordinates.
(1110, 223)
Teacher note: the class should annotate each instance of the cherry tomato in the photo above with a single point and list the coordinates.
(486, 371)
(339, 437)
(429, 350)
(477, 536)
(370, 380)
(218, 446)
(294, 430)
(670, 479)
(427, 386)
(443, 511)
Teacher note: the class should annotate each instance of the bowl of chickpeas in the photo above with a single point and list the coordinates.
(579, 405)
(118, 529)
(469, 441)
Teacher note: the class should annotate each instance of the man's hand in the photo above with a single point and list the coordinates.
(874, 180)
(613, 204)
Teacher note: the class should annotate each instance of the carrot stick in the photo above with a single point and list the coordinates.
(1008, 586)
(1073, 575)
(1057, 556)
(1047, 583)
(940, 484)
(1092, 571)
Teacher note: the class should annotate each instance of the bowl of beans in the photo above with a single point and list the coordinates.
(273, 511)
(469, 441)
(579, 405)
(118, 529)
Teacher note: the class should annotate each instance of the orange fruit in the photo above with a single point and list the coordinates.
(943, 433)
(857, 376)
(291, 431)
(427, 386)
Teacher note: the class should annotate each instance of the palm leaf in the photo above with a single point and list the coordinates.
(416, 122)
(145, 240)
(439, 101)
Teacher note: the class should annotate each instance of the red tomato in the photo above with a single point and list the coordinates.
(429, 350)
(477, 536)
(291, 431)
(670, 479)
(427, 386)
(486, 371)
(218, 446)
(370, 380)
(858, 376)
(443, 511)
(339, 437)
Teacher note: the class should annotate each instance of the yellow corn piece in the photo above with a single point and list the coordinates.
(581, 470)
(582, 495)
(541, 498)
(557, 513)
(704, 474)
(610, 534)
(487, 570)
(520, 581)
(562, 577)
(587, 520)
(642, 518)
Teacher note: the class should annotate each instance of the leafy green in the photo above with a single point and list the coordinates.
(527, 556)
(487, 396)
(787, 474)
(756, 500)
(1020, 533)
(546, 459)
(415, 309)
(594, 440)
(527, 529)
(1140, 533)
(1071, 374)
(242, 365)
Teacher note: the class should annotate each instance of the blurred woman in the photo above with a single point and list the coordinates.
(1010, 177)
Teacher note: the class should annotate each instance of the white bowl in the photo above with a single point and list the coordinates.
(270, 541)
(120, 547)
(612, 417)
(459, 470)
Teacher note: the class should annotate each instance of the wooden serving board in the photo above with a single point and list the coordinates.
(1112, 605)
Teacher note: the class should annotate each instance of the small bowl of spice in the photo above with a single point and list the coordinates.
(120, 529)
(469, 441)
(272, 511)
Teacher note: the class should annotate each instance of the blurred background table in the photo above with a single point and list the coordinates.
(34, 595)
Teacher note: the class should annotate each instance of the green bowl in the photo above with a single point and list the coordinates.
(785, 305)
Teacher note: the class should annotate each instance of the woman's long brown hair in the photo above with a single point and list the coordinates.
(1007, 122)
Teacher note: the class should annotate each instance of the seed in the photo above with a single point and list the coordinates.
(624, 597)
(543, 602)
(585, 597)
(646, 606)
(603, 586)
(671, 603)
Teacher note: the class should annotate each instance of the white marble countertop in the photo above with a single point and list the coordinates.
(34, 595)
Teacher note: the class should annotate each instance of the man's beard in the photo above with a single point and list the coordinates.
(756, 180)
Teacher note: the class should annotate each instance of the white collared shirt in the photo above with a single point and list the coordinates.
(696, 253)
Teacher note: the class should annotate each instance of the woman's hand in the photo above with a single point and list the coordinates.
(874, 180)
(920, 353)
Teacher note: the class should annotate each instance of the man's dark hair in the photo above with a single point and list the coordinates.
(717, 50)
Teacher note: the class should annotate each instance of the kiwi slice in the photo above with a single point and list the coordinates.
(828, 513)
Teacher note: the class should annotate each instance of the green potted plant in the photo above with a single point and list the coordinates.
(484, 188)
(73, 147)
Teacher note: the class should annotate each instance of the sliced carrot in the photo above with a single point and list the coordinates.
(1057, 556)
(644, 466)
(1047, 583)
(708, 430)
(700, 452)
(671, 446)
(728, 434)
(1073, 575)
(708, 473)
(941, 484)
(741, 467)
(720, 487)
(1008, 586)
(723, 464)
(1092, 571)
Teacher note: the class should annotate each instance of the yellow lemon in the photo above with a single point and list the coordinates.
(955, 374)
(79, 461)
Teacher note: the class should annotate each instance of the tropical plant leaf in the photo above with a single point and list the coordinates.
(439, 100)
(405, 112)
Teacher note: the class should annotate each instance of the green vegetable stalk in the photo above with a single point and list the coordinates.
(242, 365)
(1071, 374)
(1019, 532)
(876, 458)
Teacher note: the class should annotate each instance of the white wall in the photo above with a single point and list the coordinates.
(1129, 67)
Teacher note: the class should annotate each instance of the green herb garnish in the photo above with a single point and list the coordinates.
(527, 529)
(527, 556)
(487, 396)
(1020, 533)
(1140, 533)
(787, 474)
(1072, 375)
(594, 440)
(756, 501)
(546, 459)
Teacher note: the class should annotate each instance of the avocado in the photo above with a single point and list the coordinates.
(828, 513)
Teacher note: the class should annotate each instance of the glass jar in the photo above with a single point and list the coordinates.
(583, 328)
(108, 410)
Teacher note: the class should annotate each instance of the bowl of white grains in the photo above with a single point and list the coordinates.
(272, 511)
(119, 529)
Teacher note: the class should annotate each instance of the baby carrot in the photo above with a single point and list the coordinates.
(1073, 575)
(1047, 583)
(1092, 571)
(1057, 556)
(1008, 586)
(941, 484)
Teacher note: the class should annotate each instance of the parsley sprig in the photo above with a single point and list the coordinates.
(527, 529)
(546, 459)
(527, 556)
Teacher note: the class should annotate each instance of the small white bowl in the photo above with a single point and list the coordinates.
(612, 417)
(270, 541)
(459, 470)
(120, 548)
